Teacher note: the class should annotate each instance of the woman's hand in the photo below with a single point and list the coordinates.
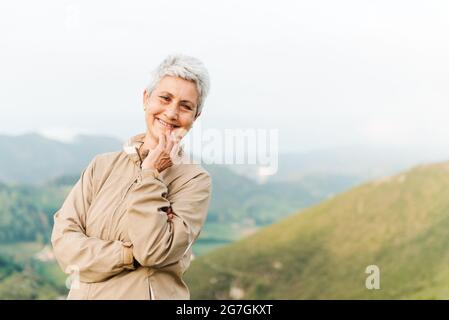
(161, 157)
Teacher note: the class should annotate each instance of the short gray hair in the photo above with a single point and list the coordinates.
(187, 68)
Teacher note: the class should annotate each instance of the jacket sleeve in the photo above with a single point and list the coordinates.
(156, 241)
(92, 258)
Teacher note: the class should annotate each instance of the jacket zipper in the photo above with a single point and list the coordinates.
(151, 290)
(118, 206)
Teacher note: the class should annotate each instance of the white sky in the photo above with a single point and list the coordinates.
(325, 73)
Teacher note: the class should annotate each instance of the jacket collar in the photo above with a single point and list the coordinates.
(132, 145)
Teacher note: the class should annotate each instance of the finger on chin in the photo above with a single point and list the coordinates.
(174, 152)
(162, 141)
(170, 142)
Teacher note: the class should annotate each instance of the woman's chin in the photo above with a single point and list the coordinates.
(157, 129)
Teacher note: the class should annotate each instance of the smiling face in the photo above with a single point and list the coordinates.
(171, 106)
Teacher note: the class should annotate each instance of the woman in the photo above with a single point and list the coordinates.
(126, 229)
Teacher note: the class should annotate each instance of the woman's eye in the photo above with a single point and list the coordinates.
(165, 98)
(187, 107)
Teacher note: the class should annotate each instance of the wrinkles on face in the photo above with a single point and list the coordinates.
(171, 106)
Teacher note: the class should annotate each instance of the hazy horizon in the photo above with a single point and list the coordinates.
(324, 73)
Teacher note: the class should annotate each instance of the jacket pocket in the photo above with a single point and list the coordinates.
(167, 286)
(129, 285)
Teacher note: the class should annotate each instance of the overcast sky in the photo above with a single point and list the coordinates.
(325, 73)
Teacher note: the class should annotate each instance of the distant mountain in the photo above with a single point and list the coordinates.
(399, 224)
(240, 199)
(33, 158)
(359, 162)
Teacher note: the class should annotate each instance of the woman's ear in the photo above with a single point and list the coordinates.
(146, 98)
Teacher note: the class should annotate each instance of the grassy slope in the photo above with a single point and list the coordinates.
(400, 224)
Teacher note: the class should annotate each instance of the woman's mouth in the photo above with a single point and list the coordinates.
(166, 125)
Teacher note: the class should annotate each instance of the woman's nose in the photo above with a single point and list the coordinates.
(172, 112)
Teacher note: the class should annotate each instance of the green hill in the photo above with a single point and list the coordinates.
(400, 224)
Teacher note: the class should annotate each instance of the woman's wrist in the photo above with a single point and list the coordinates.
(150, 172)
(148, 167)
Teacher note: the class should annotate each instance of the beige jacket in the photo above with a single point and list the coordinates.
(112, 232)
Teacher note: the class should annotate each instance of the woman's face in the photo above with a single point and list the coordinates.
(171, 106)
